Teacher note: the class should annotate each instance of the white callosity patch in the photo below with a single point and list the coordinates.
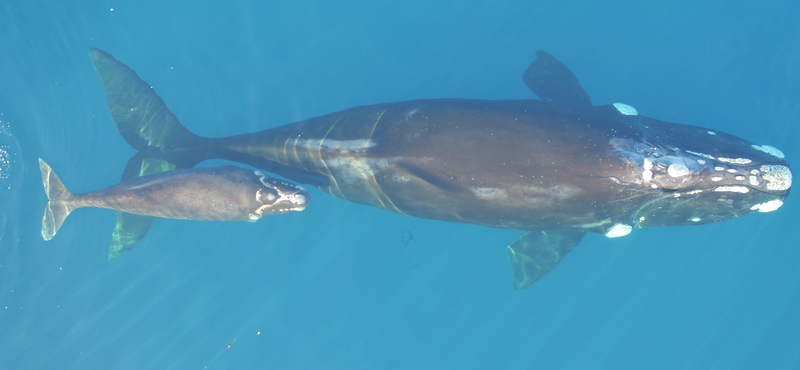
(704, 155)
(771, 150)
(735, 160)
(261, 198)
(647, 174)
(767, 206)
(753, 180)
(732, 189)
(296, 196)
(626, 109)
(696, 219)
(677, 170)
(712, 133)
(777, 177)
(619, 230)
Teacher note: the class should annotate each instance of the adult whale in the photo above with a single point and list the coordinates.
(556, 168)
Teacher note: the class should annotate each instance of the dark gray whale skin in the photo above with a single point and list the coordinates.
(225, 193)
(556, 168)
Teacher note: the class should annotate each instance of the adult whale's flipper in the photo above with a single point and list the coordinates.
(130, 228)
(536, 253)
(551, 80)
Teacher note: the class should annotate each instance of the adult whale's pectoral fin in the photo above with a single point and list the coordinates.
(141, 116)
(550, 79)
(536, 253)
(130, 228)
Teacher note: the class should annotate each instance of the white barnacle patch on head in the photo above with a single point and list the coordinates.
(753, 180)
(711, 133)
(261, 197)
(767, 206)
(299, 199)
(696, 219)
(777, 177)
(732, 189)
(704, 155)
(735, 160)
(771, 150)
(648, 164)
(716, 178)
(626, 109)
(619, 230)
(647, 174)
(677, 170)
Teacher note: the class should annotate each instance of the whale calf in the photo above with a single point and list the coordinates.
(555, 168)
(227, 193)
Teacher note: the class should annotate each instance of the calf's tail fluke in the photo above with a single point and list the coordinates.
(57, 208)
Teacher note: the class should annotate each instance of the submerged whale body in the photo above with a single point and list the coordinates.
(555, 168)
(225, 193)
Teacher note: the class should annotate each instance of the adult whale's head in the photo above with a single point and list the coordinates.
(695, 175)
(675, 174)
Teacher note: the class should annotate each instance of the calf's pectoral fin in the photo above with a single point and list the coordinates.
(536, 253)
(130, 228)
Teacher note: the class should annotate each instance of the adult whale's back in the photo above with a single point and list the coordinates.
(557, 167)
(529, 169)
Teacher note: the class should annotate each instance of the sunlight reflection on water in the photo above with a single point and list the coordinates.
(9, 150)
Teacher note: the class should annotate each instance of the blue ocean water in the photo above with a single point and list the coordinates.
(336, 286)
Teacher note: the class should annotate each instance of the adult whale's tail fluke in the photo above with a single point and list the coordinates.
(58, 207)
(141, 116)
(163, 144)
